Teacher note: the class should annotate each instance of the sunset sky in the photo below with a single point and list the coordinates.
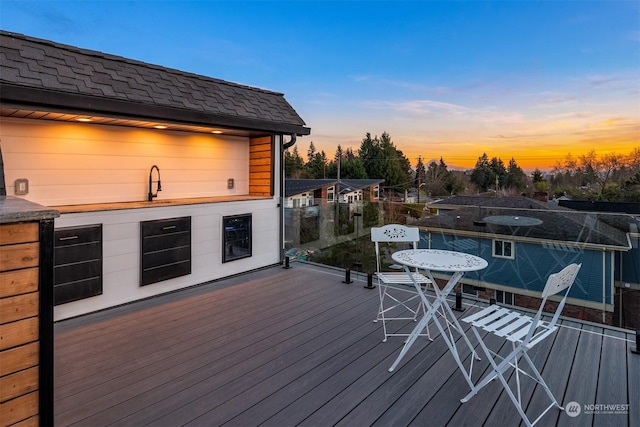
(532, 80)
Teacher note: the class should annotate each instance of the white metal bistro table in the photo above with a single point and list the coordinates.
(430, 260)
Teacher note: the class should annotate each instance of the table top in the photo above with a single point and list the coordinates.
(439, 260)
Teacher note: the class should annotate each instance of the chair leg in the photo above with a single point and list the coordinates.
(513, 346)
(541, 381)
(420, 326)
(392, 303)
(496, 372)
(499, 369)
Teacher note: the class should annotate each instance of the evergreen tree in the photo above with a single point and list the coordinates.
(482, 175)
(293, 163)
(371, 154)
(537, 176)
(397, 168)
(421, 175)
(351, 166)
(499, 172)
(316, 165)
(515, 177)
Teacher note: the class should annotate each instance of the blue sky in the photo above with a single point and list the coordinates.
(533, 80)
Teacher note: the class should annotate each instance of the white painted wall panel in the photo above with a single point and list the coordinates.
(121, 249)
(71, 163)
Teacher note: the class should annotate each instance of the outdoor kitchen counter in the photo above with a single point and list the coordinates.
(96, 207)
(15, 209)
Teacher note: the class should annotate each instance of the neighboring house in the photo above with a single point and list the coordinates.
(81, 131)
(358, 190)
(307, 192)
(311, 212)
(525, 240)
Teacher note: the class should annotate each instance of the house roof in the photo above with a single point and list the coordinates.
(41, 75)
(517, 202)
(537, 220)
(349, 185)
(297, 186)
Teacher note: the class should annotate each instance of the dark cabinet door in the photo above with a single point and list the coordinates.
(165, 249)
(77, 272)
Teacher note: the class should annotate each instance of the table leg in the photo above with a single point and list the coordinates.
(430, 313)
(449, 340)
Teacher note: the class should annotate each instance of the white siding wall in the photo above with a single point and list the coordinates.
(80, 163)
(121, 249)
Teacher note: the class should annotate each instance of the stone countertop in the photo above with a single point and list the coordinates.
(15, 209)
(156, 203)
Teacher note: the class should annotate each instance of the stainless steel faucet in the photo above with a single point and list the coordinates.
(151, 194)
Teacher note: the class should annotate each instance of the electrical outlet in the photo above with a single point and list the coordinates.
(21, 187)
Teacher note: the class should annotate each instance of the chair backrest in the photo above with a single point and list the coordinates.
(393, 233)
(556, 283)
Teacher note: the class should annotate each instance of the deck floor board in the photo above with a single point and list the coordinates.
(286, 347)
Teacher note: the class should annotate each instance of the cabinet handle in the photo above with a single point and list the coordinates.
(68, 238)
(169, 227)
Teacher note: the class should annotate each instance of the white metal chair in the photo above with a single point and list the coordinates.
(524, 333)
(398, 296)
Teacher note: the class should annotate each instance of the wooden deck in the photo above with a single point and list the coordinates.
(285, 347)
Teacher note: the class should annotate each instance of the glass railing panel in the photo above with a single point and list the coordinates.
(522, 245)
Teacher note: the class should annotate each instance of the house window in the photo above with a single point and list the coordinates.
(236, 237)
(330, 193)
(469, 290)
(376, 192)
(504, 297)
(503, 249)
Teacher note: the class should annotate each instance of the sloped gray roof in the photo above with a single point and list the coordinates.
(516, 202)
(566, 226)
(46, 74)
(297, 186)
(349, 185)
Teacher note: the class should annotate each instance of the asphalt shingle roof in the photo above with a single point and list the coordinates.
(297, 186)
(559, 224)
(52, 68)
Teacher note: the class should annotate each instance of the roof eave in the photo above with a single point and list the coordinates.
(31, 97)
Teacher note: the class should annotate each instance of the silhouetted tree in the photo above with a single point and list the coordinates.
(316, 163)
(351, 166)
(482, 175)
(293, 163)
(515, 177)
(381, 159)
